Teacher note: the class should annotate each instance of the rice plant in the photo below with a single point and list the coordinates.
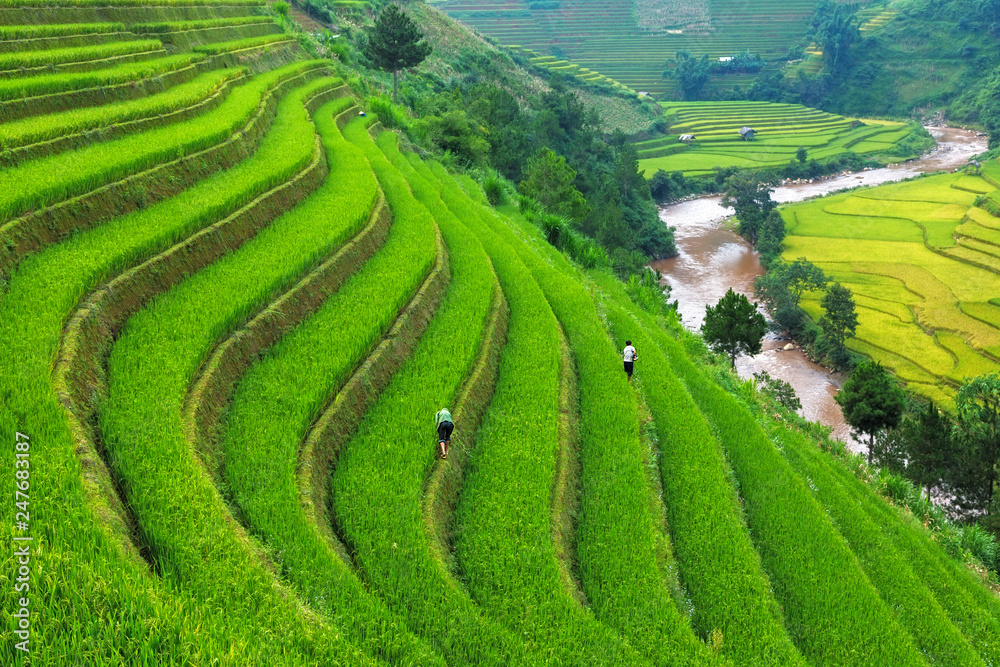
(384, 464)
(177, 26)
(36, 129)
(240, 44)
(278, 400)
(50, 179)
(715, 556)
(35, 31)
(48, 84)
(28, 59)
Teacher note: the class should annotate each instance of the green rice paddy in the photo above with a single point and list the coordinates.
(230, 306)
(780, 129)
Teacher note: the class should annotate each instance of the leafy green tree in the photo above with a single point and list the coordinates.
(612, 231)
(453, 132)
(734, 326)
(928, 446)
(802, 154)
(691, 73)
(978, 404)
(779, 390)
(871, 401)
(802, 276)
(751, 198)
(839, 322)
(661, 185)
(550, 180)
(772, 234)
(835, 28)
(781, 288)
(626, 173)
(394, 43)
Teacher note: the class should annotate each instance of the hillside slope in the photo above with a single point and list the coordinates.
(631, 42)
(231, 304)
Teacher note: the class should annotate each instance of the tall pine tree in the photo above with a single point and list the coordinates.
(394, 43)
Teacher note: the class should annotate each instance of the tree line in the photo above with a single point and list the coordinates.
(548, 142)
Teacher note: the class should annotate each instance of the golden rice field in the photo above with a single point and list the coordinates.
(923, 262)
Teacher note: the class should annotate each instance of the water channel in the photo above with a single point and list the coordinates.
(712, 259)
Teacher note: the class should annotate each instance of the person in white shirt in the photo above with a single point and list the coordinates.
(629, 355)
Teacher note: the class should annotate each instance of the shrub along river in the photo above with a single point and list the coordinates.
(713, 258)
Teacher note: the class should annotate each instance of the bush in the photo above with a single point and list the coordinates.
(981, 544)
(389, 114)
(495, 187)
(894, 487)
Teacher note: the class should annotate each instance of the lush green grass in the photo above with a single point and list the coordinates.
(715, 555)
(105, 594)
(384, 465)
(128, 3)
(177, 26)
(50, 179)
(616, 546)
(57, 30)
(889, 570)
(280, 397)
(43, 128)
(781, 130)
(240, 44)
(505, 548)
(913, 253)
(184, 521)
(47, 84)
(832, 612)
(615, 38)
(959, 592)
(28, 59)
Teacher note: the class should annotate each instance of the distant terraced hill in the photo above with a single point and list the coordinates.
(631, 42)
(230, 306)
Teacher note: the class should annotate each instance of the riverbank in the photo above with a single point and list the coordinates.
(713, 258)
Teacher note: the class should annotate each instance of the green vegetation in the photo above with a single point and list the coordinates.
(176, 26)
(734, 326)
(27, 59)
(239, 283)
(241, 44)
(52, 126)
(504, 547)
(128, 3)
(384, 464)
(901, 251)
(395, 43)
(46, 84)
(871, 401)
(629, 42)
(51, 179)
(781, 131)
(56, 30)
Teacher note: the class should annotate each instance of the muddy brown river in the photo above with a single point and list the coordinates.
(712, 259)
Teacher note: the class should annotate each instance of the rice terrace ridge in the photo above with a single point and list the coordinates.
(249, 250)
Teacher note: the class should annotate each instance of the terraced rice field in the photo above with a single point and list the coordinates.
(924, 264)
(229, 308)
(614, 39)
(567, 68)
(780, 130)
